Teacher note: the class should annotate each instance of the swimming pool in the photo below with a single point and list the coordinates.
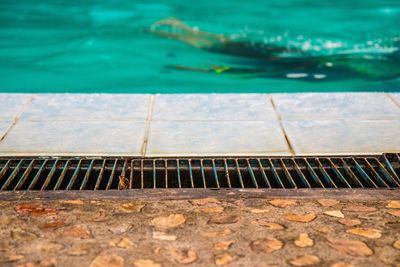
(105, 46)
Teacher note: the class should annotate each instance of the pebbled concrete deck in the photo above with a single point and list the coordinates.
(222, 231)
(199, 124)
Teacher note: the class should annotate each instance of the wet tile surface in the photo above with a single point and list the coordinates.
(215, 138)
(229, 107)
(88, 107)
(357, 106)
(74, 138)
(12, 104)
(343, 137)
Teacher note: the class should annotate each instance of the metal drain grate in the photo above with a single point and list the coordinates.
(132, 173)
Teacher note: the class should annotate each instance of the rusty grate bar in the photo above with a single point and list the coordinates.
(141, 173)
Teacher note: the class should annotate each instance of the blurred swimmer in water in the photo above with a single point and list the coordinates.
(280, 62)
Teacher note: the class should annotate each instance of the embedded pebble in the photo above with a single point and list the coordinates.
(119, 228)
(267, 245)
(52, 262)
(81, 248)
(108, 260)
(132, 207)
(282, 203)
(334, 213)
(269, 225)
(22, 235)
(53, 224)
(77, 251)
(341, 264)
(171, 221)
(365, 232)
(224, 259)
(305, 218)
(394, 212)
(396, 244)
(303, 241)
(350, 247)
(328, 202)
(350, 222)
(306, 260)
(258, 211)
(100, 216)
(50, 247)
(163, 236)
(78, 231)
(179, 255)
(222, 233)
(73, 202)
(394, 204)
(212, 210)
(145, 263)
(11, 258)
(122, 243)
(204, 201)
(224, 219)
(223, 245)
(36, 209)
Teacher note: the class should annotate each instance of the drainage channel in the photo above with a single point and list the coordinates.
(84, 173)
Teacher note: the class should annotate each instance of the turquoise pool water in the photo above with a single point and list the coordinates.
(105, 46)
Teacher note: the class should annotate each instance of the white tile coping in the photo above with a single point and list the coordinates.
(396, 98)
(213, 107)
(199, 124)
(194, 138)
(5, 125)
(350, 106)
(88, 107)
(332, 137)
(74, 138)
(11, 105)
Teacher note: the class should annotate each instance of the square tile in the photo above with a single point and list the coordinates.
(74, 138)
(88, 107)
(359, 106)
(211, 138)
(343, 137)
(12, 104)
(229, 107)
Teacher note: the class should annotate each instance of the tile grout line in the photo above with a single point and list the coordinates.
(393, 100)
(17, 117)
(278, 116)
(147, 127)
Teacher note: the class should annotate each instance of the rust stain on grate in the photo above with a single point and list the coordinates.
(214, 173)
